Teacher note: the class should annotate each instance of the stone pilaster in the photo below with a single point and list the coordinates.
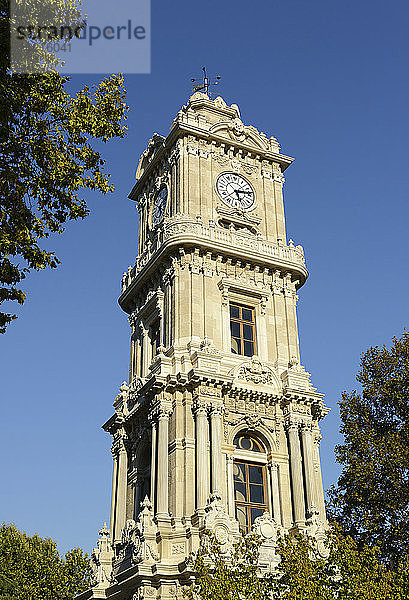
(296, 473)
(307, 450)
(202, 480)
(275, 492)
(216, 437)
(120, 513)
(163, 463)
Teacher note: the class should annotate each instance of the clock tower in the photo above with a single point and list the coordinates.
(217, 427)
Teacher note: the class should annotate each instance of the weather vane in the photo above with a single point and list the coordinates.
(205, 83)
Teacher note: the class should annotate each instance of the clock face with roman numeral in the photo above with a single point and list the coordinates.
(235, 191)
(159, 205)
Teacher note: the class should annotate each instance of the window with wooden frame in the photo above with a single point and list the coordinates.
(250, 485)
(242, 329)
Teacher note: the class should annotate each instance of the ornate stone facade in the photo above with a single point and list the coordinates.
(191, 399)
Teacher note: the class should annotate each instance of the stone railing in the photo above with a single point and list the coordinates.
(180, 227)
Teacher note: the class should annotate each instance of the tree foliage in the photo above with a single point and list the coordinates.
(47, 159)
(229, 578)
(350, 572)
(32, 569)
(371, 498)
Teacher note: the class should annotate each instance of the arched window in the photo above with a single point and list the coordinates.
(250, 483)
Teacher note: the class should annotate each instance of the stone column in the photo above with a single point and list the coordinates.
(114, 492)
(137, 498)
(216, 436)
(152, 493)
(230, 485)
(163, 463)
(307, 450)
(120, 516)
(296, 473)
(202, 489)
(275, 492)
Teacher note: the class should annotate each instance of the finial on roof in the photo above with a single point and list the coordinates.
(205, 83)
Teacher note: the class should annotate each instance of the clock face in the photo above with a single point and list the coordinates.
(235, 191)
(159, 205)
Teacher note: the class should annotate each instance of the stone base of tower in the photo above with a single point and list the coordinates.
(151, 561)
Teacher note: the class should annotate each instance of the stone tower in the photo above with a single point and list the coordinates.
(217, 427)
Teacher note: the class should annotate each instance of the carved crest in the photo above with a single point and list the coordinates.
(255, 371)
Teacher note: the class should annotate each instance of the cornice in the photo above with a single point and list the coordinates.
(181, 129)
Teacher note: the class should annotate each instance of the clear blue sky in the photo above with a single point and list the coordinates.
(330, 81)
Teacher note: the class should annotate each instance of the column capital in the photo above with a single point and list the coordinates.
(164, 412)
(306, 426)
(200, 406)
(159, 412)
(273, 466)
(216, 410)
(291, 424)
(317, 438)
(120, 443)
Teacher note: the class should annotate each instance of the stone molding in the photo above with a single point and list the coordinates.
(182, 229)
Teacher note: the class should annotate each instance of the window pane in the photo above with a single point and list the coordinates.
(236, 345)
(240, 494)
(255, 474)
(239, 472)
(247, 332)
(256, 512)
(235, 328)
(256, 494)
(234, 311)
(248, 349)
(245, 443)
(247, 315)
(241, 516)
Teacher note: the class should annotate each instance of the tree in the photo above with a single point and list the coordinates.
(349, 572)
(371, 498)
(229, 577)
(47, 158)
(32, 569)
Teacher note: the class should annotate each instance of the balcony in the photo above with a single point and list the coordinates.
(184, 231)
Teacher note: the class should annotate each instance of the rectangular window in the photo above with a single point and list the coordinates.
(249, 493)
(242, 329)
(155, 338)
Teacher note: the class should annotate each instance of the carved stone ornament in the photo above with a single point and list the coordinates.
(269, 532)
(316, 528)
(155, 143)
(224, 528)
(257, 372)
(138, 539)
(102, 560)
(207, 345)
